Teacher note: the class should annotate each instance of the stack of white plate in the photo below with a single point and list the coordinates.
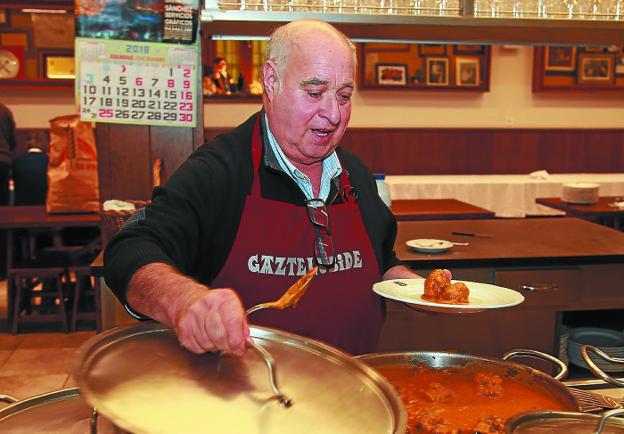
(609, 341)
(564, 336)
(583, 193)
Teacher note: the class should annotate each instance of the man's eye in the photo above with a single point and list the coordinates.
(345, 97)
(314, 94)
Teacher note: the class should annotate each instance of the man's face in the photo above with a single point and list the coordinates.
(310, 113)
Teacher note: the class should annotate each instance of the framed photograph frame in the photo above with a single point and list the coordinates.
(57, 65)
(391, 74)
(437, 71)
(385, 46)
(431, 50)
(17, 38)
(560, 58)
(595, 69)
(593, 49)
(468, 49)
(619, 62)
(467, 71)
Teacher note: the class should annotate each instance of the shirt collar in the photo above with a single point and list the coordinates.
(275, 158)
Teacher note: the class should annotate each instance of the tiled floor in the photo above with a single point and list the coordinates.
(32, 363)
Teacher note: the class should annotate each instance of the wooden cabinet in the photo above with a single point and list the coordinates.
(486, 333)
(542, 287)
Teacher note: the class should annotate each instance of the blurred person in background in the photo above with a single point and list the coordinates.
(30, 172)
(7, 144)
(220, 77)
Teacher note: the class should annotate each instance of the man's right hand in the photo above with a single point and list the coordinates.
(212, 320)
(204, 319)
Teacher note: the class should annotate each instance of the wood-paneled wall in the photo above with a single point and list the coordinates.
(397, 151)
(411, 151)
(127, 153)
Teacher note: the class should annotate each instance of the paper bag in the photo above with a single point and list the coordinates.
(72, 167)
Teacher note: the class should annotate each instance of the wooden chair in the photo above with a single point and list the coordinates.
(36, 281)
(38, 295)
(84, 286)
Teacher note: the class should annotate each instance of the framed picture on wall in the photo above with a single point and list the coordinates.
(432, 50)
(467, 71)
(391, 74)
(468, 49)
(386, 46)
(58, 65)
(437, 71)
(595, 68)
(560, 58)
(619, 64)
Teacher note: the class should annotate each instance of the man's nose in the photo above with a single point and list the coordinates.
(330, 109)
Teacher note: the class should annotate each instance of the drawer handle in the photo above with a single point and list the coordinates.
(539, 287)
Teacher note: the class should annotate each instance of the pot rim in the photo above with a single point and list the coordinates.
(462, 360)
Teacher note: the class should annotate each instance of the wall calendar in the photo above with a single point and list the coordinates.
(141, 83)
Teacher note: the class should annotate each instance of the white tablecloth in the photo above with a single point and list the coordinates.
(506, 195)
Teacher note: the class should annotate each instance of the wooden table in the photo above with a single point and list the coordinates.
(437, 209)
(541, 241)
(31, 217)
(36, 216)
(600, 212)
(13, 217)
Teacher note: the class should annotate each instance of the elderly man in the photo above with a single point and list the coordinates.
(254, 209)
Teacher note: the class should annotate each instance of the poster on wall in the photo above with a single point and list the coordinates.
(173, 21)
(140, 83)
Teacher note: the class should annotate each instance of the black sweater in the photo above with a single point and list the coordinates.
(192, 221)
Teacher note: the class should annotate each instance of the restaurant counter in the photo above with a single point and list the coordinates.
(574, 264)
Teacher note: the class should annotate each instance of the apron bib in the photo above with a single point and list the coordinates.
(274, 247)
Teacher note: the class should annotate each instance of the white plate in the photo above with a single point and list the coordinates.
(425, 245)
(598, 337)
(482, 296)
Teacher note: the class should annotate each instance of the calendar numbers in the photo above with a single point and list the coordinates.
(137, 84)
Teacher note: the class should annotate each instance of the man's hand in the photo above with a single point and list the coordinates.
(204, 319)
(212, 320)
(403, 272)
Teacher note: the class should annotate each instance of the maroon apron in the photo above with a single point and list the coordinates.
(274, 247)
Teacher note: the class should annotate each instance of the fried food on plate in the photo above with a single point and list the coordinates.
(439, 289)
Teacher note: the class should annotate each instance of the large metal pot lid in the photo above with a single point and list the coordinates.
(59, 412)
(143, 381)
(553, 422)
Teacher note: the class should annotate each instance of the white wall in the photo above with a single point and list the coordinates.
(510, 103)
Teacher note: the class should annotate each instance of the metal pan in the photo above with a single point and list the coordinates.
(552, 422)
(141, 379)
(537, 381)
(60, 412)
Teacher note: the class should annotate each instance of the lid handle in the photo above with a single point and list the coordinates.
(270, 362)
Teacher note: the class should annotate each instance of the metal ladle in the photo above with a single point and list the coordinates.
(290, 298)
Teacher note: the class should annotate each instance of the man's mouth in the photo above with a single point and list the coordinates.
(322, 132)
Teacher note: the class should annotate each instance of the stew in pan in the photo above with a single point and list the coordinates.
(461, 400)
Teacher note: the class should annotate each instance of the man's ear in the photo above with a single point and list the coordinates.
(270, 79)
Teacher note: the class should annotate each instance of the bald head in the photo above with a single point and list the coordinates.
(285, 38)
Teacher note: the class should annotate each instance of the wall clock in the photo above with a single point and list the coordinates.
(9, 64)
